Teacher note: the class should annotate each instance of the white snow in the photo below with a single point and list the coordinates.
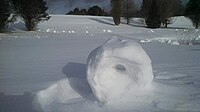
(49, 68)
(118, 67)
(109, 31)
(175, 43)
(73, 31)
(60, 92)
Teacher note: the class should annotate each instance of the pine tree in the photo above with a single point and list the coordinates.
(95, 11)
(83, 12)
(31, 11)
(153, 17)
(193, 11)
(128, 9)
(76, 11)
(116, 11)
(4, 14)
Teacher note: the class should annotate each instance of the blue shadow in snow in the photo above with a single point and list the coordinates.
(16, 103)
(102, 21)
(76, 74)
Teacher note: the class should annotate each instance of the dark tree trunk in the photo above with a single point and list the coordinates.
(128, 21)
(197, 25)
(116, 11)
(153, 17)
(193, 12)
(166, 23)
(197, 21)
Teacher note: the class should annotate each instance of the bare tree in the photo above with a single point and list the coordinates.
(128, 9)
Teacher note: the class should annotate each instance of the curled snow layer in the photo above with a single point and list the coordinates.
(60, 92)
(117, 67)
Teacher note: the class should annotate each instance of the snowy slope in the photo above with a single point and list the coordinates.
(52, 61)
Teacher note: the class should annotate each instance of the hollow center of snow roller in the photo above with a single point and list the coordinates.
(120, 68)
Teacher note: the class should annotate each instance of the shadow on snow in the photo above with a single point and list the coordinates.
(16, 103)
(76, 74)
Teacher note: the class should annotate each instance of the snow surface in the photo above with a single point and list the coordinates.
(117, 69)
(38, 68)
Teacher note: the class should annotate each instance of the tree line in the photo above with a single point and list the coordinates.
(156, 12)
(94, 11)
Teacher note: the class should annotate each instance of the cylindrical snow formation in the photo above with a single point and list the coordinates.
(116, 67)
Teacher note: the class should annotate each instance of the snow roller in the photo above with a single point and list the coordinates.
(117, 67)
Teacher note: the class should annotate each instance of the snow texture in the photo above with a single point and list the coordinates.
(49, 66)
(117, 68)
(60, 92)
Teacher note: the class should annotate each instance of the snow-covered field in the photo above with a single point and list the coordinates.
(45, 70)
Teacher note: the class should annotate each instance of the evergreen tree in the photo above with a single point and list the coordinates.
(95, 11)
(116, 11)
(76, 11)
(31, 11)
(128, 9)
(4, 14)
(193, 11)
(145, 7)
(153, 17)
(166, 9)
(70, 13)
(83, 12)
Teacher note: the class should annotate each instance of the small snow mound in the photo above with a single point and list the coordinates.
(109, 31)
(145, 41)
(73, 31)
(48, 30)
(175, 43)
(60, 92)
(54, 31)
(117, 67)
(150, 31)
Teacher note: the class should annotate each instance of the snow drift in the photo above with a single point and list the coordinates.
(117, 68)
